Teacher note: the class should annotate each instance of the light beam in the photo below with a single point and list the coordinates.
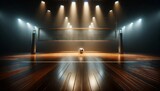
(86, 17)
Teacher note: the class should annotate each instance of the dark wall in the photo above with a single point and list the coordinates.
(146, 38)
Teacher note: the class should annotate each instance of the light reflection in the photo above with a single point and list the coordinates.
(81, 57)
(96, 72)
(33, 58)
(93, 82)
(62, 68)
(71, 82)
(119, 58)
(67, 72)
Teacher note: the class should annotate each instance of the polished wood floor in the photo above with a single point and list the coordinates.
(74, 72)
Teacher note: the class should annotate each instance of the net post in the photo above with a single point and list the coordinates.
(33, 45)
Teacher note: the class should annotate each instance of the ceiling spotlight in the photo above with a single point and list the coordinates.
(36, 27)
(85, 2)
(42, 2)
(116, 2)
(48, 11)
(19, 20)
(28, 24)
(93, 18)
(111, 11)
(123, 28)
(131, 24)
(73, 2)
(97, 6)
(139, 20)
(66, 18)
(62, 6)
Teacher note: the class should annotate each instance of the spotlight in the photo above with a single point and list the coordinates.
(62, 6)
(48, 11)
(97, 6)
(66, 18)
(139, 20)
(70, 26)
(123, 28)
(116, 2)
(20, 23)
(42, 2)
(85, 3)
(19, 20)
(73, 3)
(138, 24)
(28, 24)
(131, 24)
(120, 31)
(111, 11)
(92, 25)
(93, 18)
(36, 28)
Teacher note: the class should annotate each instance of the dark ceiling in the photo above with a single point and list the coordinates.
(28, 8)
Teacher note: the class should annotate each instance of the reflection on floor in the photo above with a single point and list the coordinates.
(75, 72)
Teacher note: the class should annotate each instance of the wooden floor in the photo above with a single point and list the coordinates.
(53, 72)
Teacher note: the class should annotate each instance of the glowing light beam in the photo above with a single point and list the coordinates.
(86, 17)
(73, 14)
